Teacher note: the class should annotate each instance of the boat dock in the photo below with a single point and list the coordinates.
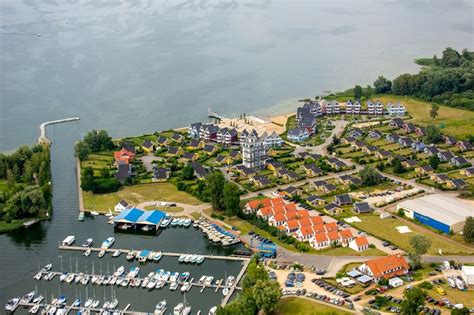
(214, 114)
(192, 282)
(43, 138)
(168, 254)
(70, 308)
(237, 280)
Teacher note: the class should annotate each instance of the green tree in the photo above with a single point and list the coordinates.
(461, 311)
(468, 230)
(105, 172)
(98, 140)
(231, 198)
(398, 167)
(420, 245)
(434, 110)
(451, 58)
(357, 92)
(187, 172)
(255, 272)
(267, 294)
(81, 150)
(215, 189)
(433, 134)
(403, 85)
(382, 85)
(414, 298)
(368, 92)
(369, 176)
(434, 161)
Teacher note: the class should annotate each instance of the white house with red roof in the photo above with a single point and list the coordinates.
(385, 267)
(359, 244)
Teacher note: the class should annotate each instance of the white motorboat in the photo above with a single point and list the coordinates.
(186, 310)
(166, 221)
(78, 277)
(113, 304)
(38, 299)
(166, 276)
(52, 310)
(174, 222)
(47, 267)
(85, 279)
(119, 271)
(174, 286)
(160, 308)
(116, 253)
(181, 221)
(28, 297)
(69, 278)
(87, 253)
(209, 280)
(185, 287)
(184, 276)
(181, 258)
(113, 280)
(94, 279)
(38, 276)
(151, 284)
(88, 242)
(101, 253)
(187, 258)
(213, 310)
(95, 304)
(69, 240)
(160, 283)
(230, 281)
(193, 258)
(145, 282)
(157, 256)
(225, 291)
(133, 272)
(106, 305)
(34, 309)
(125, 282)
(131, 255)
(108, 242)
(200, 259)
(202, 279)
(88, 303)
(174, 276)
(178, 309)
(61, 299)
(76, 303)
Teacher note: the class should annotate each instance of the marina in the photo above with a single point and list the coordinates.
(168, 254)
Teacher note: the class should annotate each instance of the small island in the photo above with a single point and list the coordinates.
(25, 187)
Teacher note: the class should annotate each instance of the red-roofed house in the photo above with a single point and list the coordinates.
(319, 240)
(334, 237)
(385, 267)
(254, 205)
(346, 236)
(359, 244)
(331, 226)
(319, 228)
(305, 233)
(265, 212)
(316, 220)
(124, 155)
(278, 219)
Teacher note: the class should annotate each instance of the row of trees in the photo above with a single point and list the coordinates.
(94, 141)
(259, 294)
(99, 184)
(223, 195)
(27, 190)
(448, 80)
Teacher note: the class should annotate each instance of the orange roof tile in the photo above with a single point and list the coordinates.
(316, 220)
(279, 217)
(291, 215)
(303, 213)
(346, 233)
(319, 228)
(266, 211)
(307, 230)
(124, 155)
(333, 235)
(304, 222)
(331, 226)
(279, 209)
(254, 204)
(290, 207)
(361, 241)
(381, 266)
(321, 237)
(292, 224)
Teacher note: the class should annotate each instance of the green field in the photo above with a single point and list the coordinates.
(457, 122)
(300, 306)
(137, 194)
(386, 229)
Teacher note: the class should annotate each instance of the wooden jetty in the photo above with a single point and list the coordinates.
(81, 308)
(234, 286)
(214, 114)
(168, 254)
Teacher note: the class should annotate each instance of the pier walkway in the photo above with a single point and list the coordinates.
(126, 251)
(234, 286)
(215, 286)
(81, 308)
(43, 138)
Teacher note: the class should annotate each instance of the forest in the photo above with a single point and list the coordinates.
(25, 184)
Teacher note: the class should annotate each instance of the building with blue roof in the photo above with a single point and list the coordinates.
(136, 216)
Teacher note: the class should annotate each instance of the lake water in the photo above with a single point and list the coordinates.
(135, 67)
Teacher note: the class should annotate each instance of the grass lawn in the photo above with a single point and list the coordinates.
(299, 306)
(454, 295)
(386, 229)
(167, 209)
(137, 194)
(13, 225)
(457, 122)
(195, 215)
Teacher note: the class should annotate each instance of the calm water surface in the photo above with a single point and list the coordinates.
(138, 66)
